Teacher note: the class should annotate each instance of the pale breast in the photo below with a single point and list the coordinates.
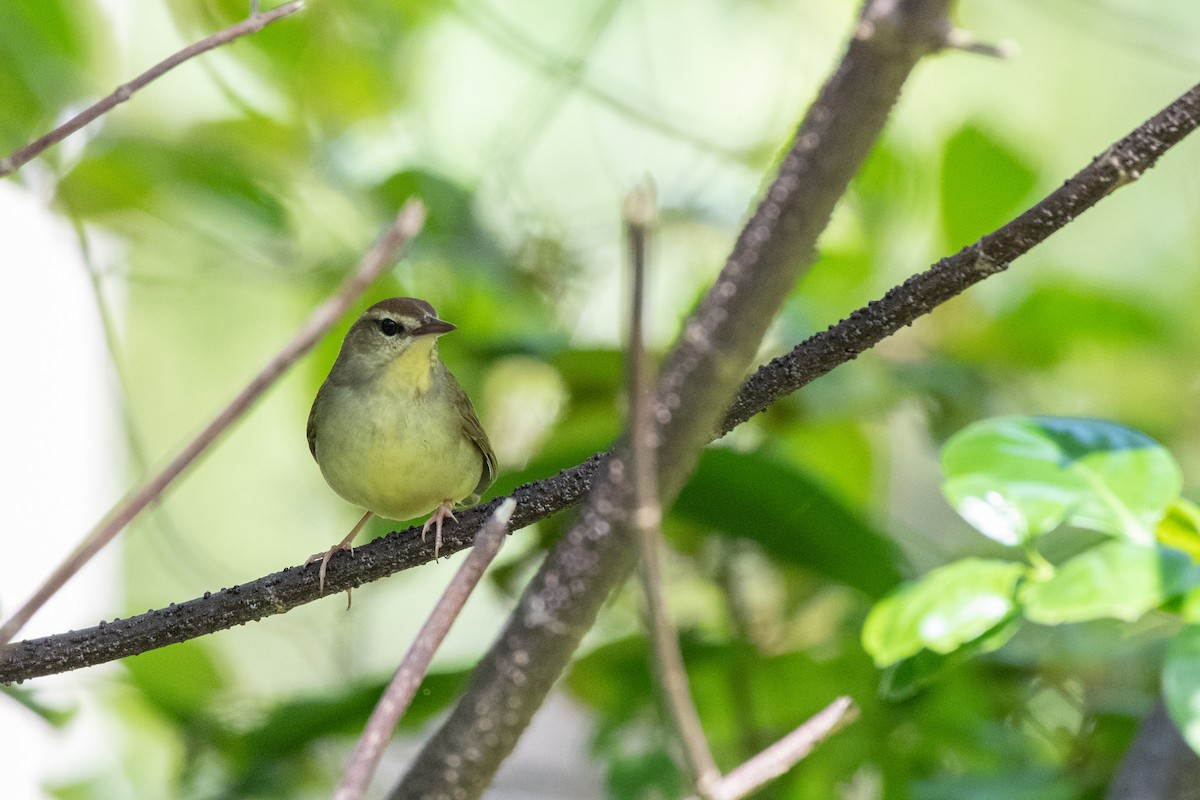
(397, 459)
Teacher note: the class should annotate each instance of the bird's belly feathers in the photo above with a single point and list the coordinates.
(398, 459)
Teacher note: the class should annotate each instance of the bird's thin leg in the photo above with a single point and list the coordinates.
(344, 544)
(446, 509)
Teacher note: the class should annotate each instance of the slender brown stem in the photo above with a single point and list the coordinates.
(959, 39)
(787, 752)
(380, 257)
(255, 23)
(647, 511)
(403, 687)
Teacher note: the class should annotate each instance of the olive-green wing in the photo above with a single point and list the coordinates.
(312, 423)
(478, 437)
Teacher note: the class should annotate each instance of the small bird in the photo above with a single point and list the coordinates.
(391, 429)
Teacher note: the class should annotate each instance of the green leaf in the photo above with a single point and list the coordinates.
(791, 516)
(1115, 579)
(1014, 478)
(1181, 683)
(983, 181)
(908, 676)
(942, 611)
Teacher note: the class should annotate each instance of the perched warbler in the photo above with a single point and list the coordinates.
(391, 429)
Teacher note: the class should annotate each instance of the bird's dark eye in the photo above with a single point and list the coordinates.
(389, 327)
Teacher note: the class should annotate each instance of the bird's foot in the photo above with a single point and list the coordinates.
(324, 559)
(344, 544)
(446, 509)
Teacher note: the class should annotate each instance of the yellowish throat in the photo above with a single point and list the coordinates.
(391, 429)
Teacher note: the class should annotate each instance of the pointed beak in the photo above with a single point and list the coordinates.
(433, 327)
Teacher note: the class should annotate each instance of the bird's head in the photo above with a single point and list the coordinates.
(393, 340)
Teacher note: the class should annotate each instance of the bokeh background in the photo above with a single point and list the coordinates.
(155, 261)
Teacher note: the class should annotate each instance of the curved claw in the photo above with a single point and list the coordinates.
(324, 559)
(446, 509)
(344, 544)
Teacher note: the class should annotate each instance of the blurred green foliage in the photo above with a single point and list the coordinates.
(220, 205)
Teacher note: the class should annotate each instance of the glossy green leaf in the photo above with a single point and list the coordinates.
(1181, 683)
(1014, 478)
(983, 183)
(791, 517)
(910, 675)
(1115, 579)
(942, 611)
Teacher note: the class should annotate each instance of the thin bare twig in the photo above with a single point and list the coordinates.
(787, 752)
(639, 215)
(255, 23)
(381, 256)
(959, 39)
(399, 693)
